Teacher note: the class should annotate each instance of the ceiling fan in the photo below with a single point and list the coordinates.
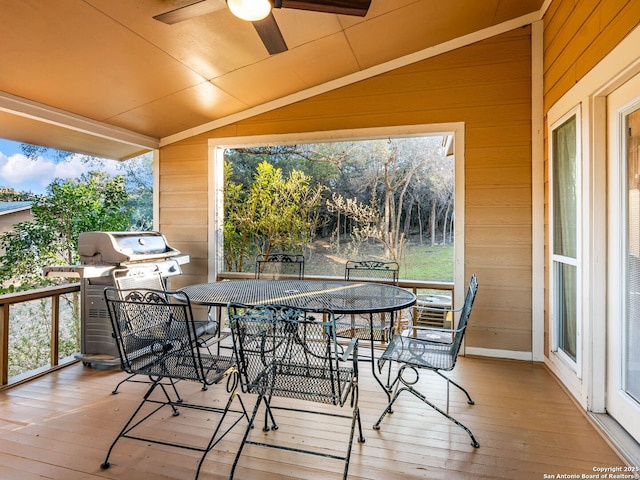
(267, 28)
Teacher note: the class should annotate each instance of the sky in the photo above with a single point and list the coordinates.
(23, 175)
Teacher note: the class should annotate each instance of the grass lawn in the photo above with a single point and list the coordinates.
(420, 262)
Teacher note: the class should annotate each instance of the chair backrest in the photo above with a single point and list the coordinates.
(276, 265)
(155, 333)
(372, 270)
(465, 313)
(286, 352)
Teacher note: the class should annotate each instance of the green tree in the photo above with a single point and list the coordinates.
(274, 213)
(318, 161)
(387, 191)
(92, 202)
(236, 238)
(138, 172)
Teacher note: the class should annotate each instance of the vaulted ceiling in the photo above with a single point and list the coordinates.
(104, 77)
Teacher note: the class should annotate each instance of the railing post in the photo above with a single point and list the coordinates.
(55, 329)
(4, 344)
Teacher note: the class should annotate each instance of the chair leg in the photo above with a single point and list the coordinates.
(130, 377)
(469, 400)
(409, 388)
(128, 426)
(355, 420)
(135, 420)
(268, 414)
(246, 435)
(175, 390)
(388, 409)
(356, 407)
(115, 390)
(215, 438)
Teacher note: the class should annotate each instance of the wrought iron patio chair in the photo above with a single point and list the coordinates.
(417, 353)
(291, 353)
(206, 330)
(279, 265)
(374, 327)
(371, 270)
(156, 336)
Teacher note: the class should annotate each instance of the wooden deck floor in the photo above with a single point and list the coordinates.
(61, 425)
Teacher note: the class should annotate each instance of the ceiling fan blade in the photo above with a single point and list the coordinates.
(270, 35)
(358, 8)
(201, 7)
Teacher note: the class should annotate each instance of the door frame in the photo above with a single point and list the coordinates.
(590, 93)
(617, 399)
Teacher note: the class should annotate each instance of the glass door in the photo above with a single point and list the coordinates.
(623, 311)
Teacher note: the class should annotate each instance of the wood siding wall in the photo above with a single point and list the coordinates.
(577, 35)
(487, 85)
(183, 201)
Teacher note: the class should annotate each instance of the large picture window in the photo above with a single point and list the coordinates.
(382, 199)
(451, 141)
(564, 238)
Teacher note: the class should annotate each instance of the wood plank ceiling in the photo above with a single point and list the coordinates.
(103, 77)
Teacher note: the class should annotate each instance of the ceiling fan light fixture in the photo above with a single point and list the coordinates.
(250, 10)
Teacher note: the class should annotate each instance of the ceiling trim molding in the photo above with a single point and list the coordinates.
(356, 77)
(54, 116)
(543, 9)
(352, 134)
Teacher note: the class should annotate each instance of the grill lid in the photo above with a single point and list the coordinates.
(115, 248)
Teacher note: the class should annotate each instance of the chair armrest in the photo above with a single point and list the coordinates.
(432, 334)
(351, 348)
(433, 329)
(421, 305)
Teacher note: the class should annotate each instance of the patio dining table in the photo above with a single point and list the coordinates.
(339, 297)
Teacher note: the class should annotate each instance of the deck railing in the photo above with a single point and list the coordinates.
(7, 301)
(10, 300)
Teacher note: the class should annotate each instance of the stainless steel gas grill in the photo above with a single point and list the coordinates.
(129, 257)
